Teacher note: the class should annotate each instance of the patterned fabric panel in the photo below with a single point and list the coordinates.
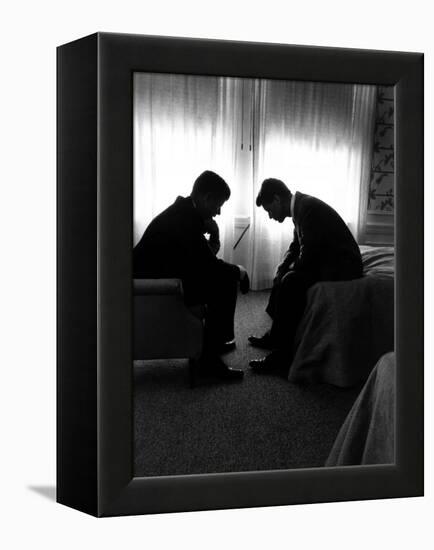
(381, 188)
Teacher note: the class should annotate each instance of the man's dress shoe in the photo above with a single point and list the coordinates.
(268, 364)
(216, 367)
(261, 341)
(229, 373)
(226, 347)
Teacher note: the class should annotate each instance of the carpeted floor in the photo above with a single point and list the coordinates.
(260, 423)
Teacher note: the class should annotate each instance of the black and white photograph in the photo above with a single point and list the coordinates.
(217, 302)
(240, 307)
(263, 274)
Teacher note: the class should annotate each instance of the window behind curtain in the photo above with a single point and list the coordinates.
(183, 125)
(316, 137)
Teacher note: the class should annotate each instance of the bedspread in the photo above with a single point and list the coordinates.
(347, 325)
(368, 434)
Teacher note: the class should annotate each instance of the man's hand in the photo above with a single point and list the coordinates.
(281, 271)
(211, 228)
(244, 280)
(278, 276)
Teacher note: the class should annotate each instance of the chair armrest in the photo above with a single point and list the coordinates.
(159, 287)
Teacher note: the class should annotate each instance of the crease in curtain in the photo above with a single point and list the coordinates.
(183, 125)
(317, 138)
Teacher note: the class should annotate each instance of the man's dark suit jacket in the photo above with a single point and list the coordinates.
(174, 245)
(323, 246)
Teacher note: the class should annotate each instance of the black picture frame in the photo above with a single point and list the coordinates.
(94, 372)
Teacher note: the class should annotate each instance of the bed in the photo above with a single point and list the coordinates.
(347, 325)
(368, 434)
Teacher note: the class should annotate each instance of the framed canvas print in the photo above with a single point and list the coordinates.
(240, 274)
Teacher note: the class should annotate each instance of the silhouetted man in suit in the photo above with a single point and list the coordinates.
(323, 249)
(174, 245)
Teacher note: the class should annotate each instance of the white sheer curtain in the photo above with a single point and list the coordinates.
(183, 125)
(317, 138)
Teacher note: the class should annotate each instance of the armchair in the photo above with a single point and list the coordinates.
(164, 327)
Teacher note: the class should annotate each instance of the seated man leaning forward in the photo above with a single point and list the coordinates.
(323, 249)
(174, 246)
